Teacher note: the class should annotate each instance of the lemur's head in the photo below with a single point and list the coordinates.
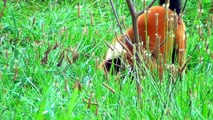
(117, 59)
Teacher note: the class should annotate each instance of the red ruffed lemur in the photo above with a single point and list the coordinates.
(163, 35)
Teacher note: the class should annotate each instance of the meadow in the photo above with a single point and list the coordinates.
(50, 52)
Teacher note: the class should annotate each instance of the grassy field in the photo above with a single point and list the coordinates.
(49, 55)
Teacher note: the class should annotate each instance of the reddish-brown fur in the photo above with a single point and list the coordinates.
(175, 26)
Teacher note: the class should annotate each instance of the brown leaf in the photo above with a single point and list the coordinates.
(109, 88)
(75, 55)
(55, 46)
(77, 85)
(16, 72)
(61, 58)
(92, 103)
(68, 59)
(45, 58)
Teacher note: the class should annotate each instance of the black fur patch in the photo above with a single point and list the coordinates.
(174, 5)
(114, 64)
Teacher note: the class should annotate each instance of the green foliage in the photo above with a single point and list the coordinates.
(45, 48)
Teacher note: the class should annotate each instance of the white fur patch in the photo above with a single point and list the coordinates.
(116, 51)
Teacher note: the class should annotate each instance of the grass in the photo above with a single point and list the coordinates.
(60, 86)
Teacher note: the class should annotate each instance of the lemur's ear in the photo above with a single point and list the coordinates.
(175, 5)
